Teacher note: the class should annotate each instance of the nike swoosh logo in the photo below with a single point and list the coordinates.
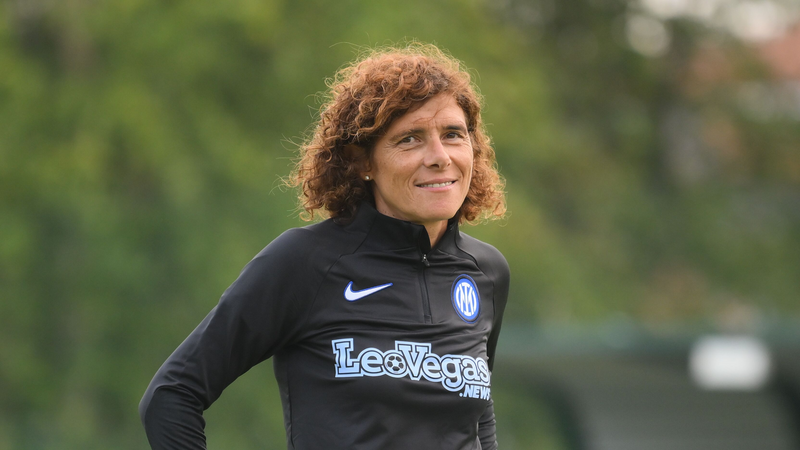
(350, 295)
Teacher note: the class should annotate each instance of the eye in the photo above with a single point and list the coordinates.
(454, 135)
(407, 139)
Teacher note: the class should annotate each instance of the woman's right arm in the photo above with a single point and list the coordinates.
(256, 316)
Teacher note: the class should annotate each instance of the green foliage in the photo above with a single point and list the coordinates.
(142, 144)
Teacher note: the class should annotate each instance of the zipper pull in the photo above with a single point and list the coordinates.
(425, 260)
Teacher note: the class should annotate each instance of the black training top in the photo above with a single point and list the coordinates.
(379, 341)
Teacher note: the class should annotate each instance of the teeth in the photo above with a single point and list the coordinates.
(446, 183)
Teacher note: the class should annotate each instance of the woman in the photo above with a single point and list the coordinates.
(382, 321)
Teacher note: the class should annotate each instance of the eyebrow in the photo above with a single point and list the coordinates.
(455, 128)
(417, 130)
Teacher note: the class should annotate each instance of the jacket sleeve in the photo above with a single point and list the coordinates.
(501, 276)
(255, 317)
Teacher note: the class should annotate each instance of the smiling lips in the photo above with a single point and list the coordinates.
(436, 185)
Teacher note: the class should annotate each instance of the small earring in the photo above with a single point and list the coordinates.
(366, 177)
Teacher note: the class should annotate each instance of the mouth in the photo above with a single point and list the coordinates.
(436, 185)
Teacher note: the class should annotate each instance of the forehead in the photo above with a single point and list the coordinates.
(439, 110)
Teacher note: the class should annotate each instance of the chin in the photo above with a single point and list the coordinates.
(437, 215)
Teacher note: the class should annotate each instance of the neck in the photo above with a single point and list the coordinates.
(436, 231)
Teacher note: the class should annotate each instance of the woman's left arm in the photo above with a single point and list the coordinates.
(487, 428)
(501, 275)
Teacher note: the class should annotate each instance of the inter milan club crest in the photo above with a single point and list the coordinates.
(466, 300)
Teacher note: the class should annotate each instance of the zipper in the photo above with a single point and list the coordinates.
(426, 303)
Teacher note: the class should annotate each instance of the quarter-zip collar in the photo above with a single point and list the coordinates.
(388, 233)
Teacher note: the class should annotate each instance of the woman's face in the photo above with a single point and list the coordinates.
(422, 167)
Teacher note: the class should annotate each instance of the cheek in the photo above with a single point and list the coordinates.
(469, 167)
(468, 164)
(395, 171)
(393, 184)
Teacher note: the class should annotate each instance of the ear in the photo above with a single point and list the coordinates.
(359, 157)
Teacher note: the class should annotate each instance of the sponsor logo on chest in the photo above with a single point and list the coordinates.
(414, 360)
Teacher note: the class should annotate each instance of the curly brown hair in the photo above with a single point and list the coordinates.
(364, 98)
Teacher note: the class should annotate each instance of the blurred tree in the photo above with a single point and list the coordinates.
(661, 196)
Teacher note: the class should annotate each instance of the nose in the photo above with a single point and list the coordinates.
(436, 155)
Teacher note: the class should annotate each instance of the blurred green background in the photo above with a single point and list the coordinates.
(651, 150)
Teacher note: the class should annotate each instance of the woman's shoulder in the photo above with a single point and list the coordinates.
(488, 258)
(297, 245)
(478, 248)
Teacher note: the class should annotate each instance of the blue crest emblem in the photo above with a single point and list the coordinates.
(466, 300)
